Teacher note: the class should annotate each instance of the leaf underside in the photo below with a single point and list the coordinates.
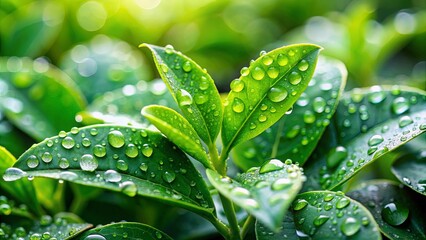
(410, 170)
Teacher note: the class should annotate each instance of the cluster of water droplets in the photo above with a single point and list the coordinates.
(124, 232)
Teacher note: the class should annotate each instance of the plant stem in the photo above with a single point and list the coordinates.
(247, 226)
(220, 166)
(229, 210)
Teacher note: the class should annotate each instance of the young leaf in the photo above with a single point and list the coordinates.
(125, 230)
(368, 123)
(193, 89)
(265, 192)
(287, 230)
(331, 215)
(178, 130)
(265, 91)
(131, 160)
(296, 134)
(36, 95)
(398, 211)
(410, 170)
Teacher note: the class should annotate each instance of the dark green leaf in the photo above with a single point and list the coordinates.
(331, 215)
(265, 91)
(193, 89)
(398, 210)
(34, 96)
(12, 138)
(286, 231)
(131, 160)
(295, 135)
(125, 230)
(265, 192)
(410, 170)
(368, 123)
(178, 130)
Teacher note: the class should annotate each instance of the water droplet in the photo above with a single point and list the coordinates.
(95, 237)
(250, 203)
(147, 150)
(282, 60)
(12, 174)
(395, 214)
(273, 72)
(32, 161)
(262, 118)
(245, 71)
(405, 121)
(375, 140)
(68, 142)
(336, 155)
(295, 78)
(300, 204)
(342, 203)
(238, 105)
(350, 226)
(99, 150)
(187, 67)
(116, 139)
(258, 73)
(169, 49)
(277, 94)
(240, 192)
(293, 132)
(158, 235)
(267, 60)
(129, 188)
(49, 143)
(328, 197)
(400, 105)
(86, 142)
(88, 163)
(93, 131)
(280, 184)
(237, 85)
(309, 117)
(63, 163)
(252, 126)
(169, 176)
(112, 176)
(143, 167)
(164, 67)
(62, 134)
(377, 95)
(122, 165)
(184, 98)
(271, 165)
(319, 104)
(303, 65)
(320, 220)
(131, 151)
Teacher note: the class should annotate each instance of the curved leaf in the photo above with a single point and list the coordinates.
(410, 170)
(193, 89)
(265, 192)
(296, 134)
(133, 161)
(265, 91)
(123, 106)
(398, 211)
(286, 231)
(125, 230)
(178, 130)
(331, 215)
(368, 123)
(34, 96)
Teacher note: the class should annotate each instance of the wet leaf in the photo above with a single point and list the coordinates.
(398, 211)
(410, 170)
(296, 134)
(368, 124)
(265, 192)
(58, 230)
(134, 161)
(193, 89)
(265, 91)
(34, 94)
(286, 231)
(331, 215)
(125, 230)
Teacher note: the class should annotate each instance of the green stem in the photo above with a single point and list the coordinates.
(219, 166)
(247, 226)
(220, 226)
(77, 205)
(229, 210)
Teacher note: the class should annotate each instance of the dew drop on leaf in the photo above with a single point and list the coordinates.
(68, 142)
(32, 161)
(143, 167)
(13, 174)
(405, 121)
(342, 203)
(375, 140)
(300, 204)
(116, 139)
(320, 220)
(238, 105)
(129, 188)
(46, 157)
(262, 118)
(237, 85)
(319, 104)
(95, 237)
(169, 49)
(267, 60)
(277, 94)
(395, 214)
(88, 163)
(122, 165)
(169, 176)
(99, 150)
(200, 98)
(282, 60)
(377, 95)
(309, 117)
(184, 98)
(187, 67)
(131, 151)
(280, 184)
(147, 150)
(240, 192)
(258, 73)
(271, 165)
(295, 78)
(93, 131)
(245, 71)
(303, 65)
(63, 163)
(400, 105)
(350, 226)
(112, 176)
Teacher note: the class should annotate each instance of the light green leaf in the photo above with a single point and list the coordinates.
(296, 134)
(265, 91)
(287, 230)
(34, 95)
(368, 123)
(193, 89)
(125, 230)
(410, 169)
(398, 211)
(265, 192)
(331, 215)
(178, 130)
(135, 161)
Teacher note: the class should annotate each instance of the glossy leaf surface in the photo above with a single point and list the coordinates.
(410, 170)
(133, 161)
(125, 230)
(193, 89)
(265, 192)
(34, 94)
(178, 130)
(331, 215)
(368, 123)
(398, 211)
(296, 134)
(286, 231)
(265, 91)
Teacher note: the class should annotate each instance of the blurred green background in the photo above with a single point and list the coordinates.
(380, 41)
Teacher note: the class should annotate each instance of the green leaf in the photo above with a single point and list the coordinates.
(286, 231)
(58, 230)
(331, 215)
(21, 190)
(125, 230)
(131, 160)
(193, 89)
(265, 91)
(368, 123)
(178, 130)
(410, 169)
(296, 134)
(123, 106)
(265, 192)
(398, 211)
(34, 96)
(12, 138)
